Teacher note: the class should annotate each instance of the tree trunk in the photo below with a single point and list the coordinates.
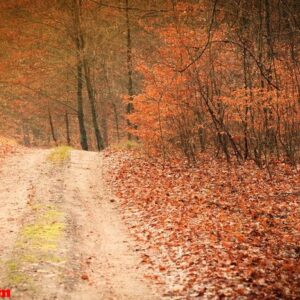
(91, 96)
(116, 121)
(68, 129)
(116, 115)
(129, 67)
(79, 46)
(52, 127)
(80, 114)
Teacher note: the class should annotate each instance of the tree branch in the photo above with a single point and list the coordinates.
(199, 55)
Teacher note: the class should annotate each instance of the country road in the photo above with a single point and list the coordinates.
(62, 236)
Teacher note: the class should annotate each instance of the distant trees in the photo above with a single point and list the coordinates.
(75, 55)
(196, 75)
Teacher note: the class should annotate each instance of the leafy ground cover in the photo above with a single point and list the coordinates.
(212, 230)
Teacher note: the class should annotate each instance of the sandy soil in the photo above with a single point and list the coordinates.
(61, 231)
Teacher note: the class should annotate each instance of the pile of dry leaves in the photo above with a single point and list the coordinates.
(215, 230)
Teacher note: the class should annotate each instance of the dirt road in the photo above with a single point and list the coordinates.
(61, 233)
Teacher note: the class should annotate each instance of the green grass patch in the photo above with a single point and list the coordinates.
(43, 236)
(37, 242)
(60, 154)
(45, 232)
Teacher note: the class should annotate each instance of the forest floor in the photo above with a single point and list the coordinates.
(118, 225)
(212, 230)
(61, 232)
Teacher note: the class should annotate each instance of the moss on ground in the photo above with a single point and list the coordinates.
(60, 154)
(15, 276)
(37, 242)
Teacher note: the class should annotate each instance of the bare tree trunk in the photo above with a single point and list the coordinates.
(91, 95)
(129, 66)
(116, 115)
(104, 126)
(80, 114)
(79, 47)
(84, 65)
(246, 110)
(68, 129)
(116, 121)
(52, 126)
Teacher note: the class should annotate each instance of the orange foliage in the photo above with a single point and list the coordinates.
(209, 86)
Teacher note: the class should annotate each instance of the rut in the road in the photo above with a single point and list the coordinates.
(67, 239)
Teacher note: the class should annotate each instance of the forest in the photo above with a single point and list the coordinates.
(181, 76)
(194, 106)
